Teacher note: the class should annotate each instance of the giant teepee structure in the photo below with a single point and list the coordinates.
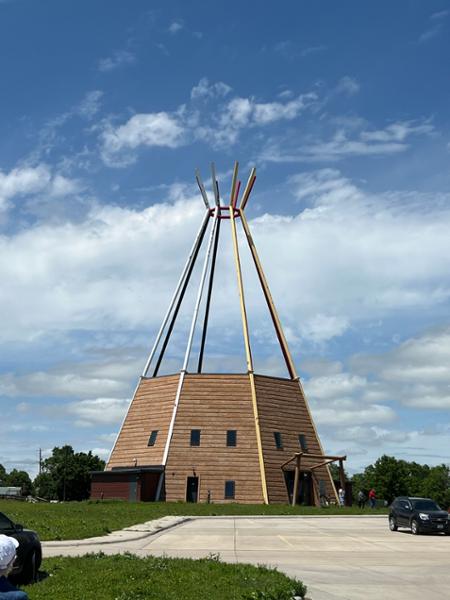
(217, 437)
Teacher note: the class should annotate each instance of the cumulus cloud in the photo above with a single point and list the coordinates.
(151, 129)
(101, 272)
(26, 181)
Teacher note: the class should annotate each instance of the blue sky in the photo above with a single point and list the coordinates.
(108, 107)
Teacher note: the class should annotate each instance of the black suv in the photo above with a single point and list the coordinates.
(29, 552)
(420, 514)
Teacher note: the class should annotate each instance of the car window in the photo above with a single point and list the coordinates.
(425, 505)
(5, 523)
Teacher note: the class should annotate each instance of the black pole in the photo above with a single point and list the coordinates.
(180, 299)
(208, 299)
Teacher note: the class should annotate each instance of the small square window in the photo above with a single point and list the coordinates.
(152, 438)
(195, 437)
(278, 440)
(231, 437)
(229, 490)
(302, 441)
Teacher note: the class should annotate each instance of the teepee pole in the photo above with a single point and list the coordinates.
(189, 261)
(208, 297)
(191, 335)
(279, 330)
(181, 296)
(248, 353)
(268, 296)
(248, 188)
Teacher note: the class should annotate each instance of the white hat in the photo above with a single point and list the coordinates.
(8, 547)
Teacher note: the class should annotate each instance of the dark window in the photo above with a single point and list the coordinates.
(152, 438)
(278, 440)
(231, 437)
(302, 441)
(195, 437)
(229, 490)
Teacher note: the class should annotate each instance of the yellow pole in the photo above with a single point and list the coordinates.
(248, 354)
(248, 188)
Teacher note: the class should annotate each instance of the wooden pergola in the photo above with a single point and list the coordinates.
(324, 459)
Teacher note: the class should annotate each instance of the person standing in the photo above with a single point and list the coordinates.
(8, 547)
(372, 498)
(341, 495)
(361, 499)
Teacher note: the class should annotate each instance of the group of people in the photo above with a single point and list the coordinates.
(362, 498)
(8, 549)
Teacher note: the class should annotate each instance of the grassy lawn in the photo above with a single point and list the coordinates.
(77, 520)
(127, 577)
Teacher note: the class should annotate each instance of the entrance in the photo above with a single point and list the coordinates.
(305, 485)
(192, 489)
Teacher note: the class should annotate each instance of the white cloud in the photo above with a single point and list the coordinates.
(347, 141)
(417, 371)
(99, 411)
(149, 129)
(102, 272)
(118, 59)
(90, 104)
(175, 27)
(28, 181)
(206, 90)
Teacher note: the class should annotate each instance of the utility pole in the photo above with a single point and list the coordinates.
(40, 461)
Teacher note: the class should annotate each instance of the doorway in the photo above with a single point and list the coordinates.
(192, 489)
(305, 485)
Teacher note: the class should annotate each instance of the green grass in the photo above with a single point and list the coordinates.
(77, 520)
(126, 577)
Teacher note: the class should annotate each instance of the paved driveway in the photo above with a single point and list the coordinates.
(351, 558)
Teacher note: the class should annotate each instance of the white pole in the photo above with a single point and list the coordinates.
(191, 334)
(172, 302)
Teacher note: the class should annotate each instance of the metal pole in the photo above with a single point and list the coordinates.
(208, 297)
(215, 184)
(202, 188)
(199, 242)
(268, 296)
(191, 335)
(177, 289)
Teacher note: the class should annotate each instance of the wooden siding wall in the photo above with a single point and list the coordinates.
(214, 404)
(282, 408)
(112, 488)
(151, 409)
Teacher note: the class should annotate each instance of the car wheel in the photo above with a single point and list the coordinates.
(415, 527)
(30, 571)
(392, 524)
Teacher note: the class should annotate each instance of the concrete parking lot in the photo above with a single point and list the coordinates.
(351, 558)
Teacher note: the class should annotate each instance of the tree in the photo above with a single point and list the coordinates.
(2, 475)
(391, 477)
(21, 479)
(66, 474)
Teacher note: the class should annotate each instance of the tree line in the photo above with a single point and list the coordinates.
(391, 477)
(65, 475)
